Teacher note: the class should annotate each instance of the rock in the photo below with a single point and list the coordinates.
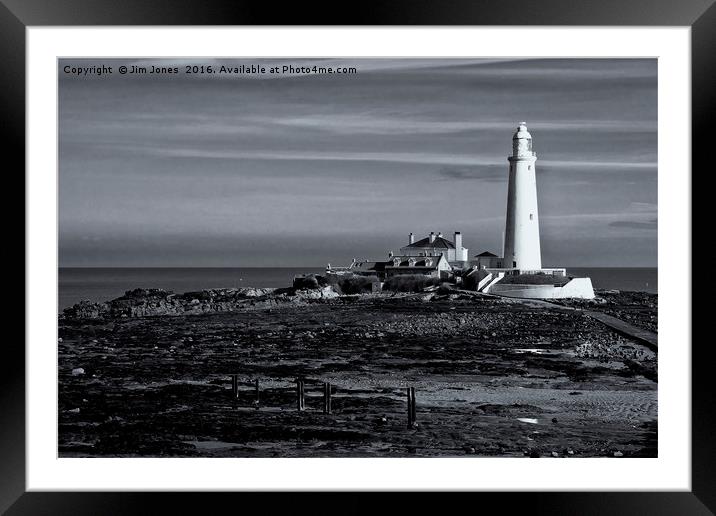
(78, 371)
(146, 292)
(307, 281)
(555, 454)
(86, 310)
(530, 420)
(618, 454)
(74, 410)
(322, 293)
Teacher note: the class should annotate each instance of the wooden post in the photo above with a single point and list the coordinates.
(411, 407)
(326, 398)
(303, 400)
(300, 404)
(235, 385)
(410, 412)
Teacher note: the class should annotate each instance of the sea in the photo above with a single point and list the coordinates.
(102, 284)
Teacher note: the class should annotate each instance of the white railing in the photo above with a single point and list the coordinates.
(484, 281)
(560, 271)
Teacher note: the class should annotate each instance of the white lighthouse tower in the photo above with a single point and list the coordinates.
(522, 248)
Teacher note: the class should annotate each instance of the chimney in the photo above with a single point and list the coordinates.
(458, 240)
(432, 237)
(411, 239)
(440, 234)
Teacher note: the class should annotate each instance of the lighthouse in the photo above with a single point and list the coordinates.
(519, 272)
(522, 248)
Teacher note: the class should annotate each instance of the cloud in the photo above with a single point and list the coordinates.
(634, 225)
(372, 123)
(490, 173)
(426, 158)
(643, 207)
(210, 158)
(631, 165)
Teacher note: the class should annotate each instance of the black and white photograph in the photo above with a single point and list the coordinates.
(357, 257)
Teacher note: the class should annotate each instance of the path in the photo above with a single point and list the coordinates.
(649, 339)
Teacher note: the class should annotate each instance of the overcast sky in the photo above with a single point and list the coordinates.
(302, 170)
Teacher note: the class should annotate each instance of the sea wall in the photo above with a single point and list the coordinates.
(580, 288)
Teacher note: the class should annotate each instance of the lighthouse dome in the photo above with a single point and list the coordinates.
(522, 142)
(522, 132)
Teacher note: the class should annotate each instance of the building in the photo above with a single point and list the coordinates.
(436, 245)
(435, 266)
(521, 260)
(487, 260)
(518, 272)
(522, 245)
(361, 268)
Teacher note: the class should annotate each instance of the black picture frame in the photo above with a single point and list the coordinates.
(17, 15)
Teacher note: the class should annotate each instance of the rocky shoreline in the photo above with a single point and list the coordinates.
(149, 374)
(148, 302)
(639, 308)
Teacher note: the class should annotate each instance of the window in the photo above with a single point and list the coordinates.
(530, 216)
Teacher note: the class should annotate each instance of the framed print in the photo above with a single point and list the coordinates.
(428, 249)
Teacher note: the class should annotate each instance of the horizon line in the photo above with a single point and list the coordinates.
(311, 267)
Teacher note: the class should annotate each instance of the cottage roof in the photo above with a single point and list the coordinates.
(486, 254)
(439, 242)
(368, 265)
(420, 262)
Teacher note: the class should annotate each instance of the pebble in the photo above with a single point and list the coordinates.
(618, 454)
(77, 372)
